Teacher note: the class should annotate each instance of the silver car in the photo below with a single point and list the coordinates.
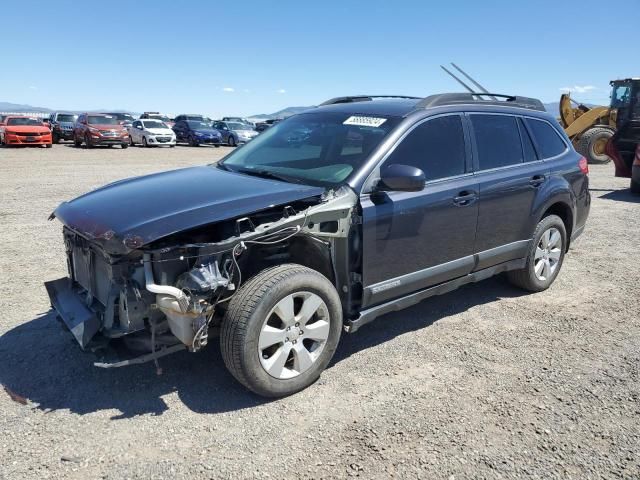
(234, 133)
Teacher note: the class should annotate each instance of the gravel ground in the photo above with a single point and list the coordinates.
(485, 382)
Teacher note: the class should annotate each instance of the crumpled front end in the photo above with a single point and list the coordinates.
(170, 294)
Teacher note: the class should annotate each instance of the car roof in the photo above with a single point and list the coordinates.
(404, 106)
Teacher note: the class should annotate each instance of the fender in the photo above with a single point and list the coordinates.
(556, 191)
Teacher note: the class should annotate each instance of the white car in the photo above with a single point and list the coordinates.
(151, 132)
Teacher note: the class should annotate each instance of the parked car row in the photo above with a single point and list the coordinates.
(118, 128)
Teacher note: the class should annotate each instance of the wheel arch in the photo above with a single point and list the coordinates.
(563, 210)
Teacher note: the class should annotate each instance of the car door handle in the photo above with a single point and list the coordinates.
(464, 198)
(537, 180)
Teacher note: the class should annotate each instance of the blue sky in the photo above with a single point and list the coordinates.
(249, 57)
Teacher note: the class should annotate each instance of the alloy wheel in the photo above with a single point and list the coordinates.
(293, 335)
(548, 253)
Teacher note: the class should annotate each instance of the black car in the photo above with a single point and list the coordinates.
(378, 205)
(61, 124)
(262, 126)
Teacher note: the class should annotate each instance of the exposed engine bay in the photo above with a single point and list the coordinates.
(171, 294)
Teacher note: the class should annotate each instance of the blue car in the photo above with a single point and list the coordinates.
(197, 133)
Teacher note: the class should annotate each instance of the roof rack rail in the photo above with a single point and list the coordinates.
(480, 98)
(363, 98)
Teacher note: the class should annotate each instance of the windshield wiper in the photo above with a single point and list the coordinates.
(266, 174)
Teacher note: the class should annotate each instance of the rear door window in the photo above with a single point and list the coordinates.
(497, 140)
(436, 147)
(547, 138)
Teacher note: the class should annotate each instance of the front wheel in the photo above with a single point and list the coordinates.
(281, 330)
(232, 141)
(87, 141)
(124, 145)
(144, 142)
(545, 257)
(193, 142)
(76, 142)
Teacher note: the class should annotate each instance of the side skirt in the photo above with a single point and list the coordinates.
(372, 313)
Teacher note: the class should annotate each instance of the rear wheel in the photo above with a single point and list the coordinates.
(281, 330)
(545, 257)
(592, 144)
(232, 141)
(55, 138)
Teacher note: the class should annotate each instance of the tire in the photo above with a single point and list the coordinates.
(87, 141)
(591, 144)
(55, 138)
(124, 146)
(48, 145)
(232, 141)
(144, 142)
(193, 142)
(527, 278)
(76, 143)
(217, 145)
(252, 308)
(131, 141)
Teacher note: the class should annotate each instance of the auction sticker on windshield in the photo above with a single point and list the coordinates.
(364, 121)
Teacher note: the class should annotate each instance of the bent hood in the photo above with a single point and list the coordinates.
(131, 213)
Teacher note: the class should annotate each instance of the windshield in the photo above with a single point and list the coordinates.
(102, 120)
(199, 125)
(162, 118)
(24, 121)
(122, 116)
(620, 96)
(153, 124)
(67, 117)
(238, 126)
(320, 149)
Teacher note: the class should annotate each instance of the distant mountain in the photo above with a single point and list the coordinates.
(21, 108)
(17, 107)
(285, 112)
(553, 108)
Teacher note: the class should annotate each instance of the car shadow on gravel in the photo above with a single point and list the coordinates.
(623, 195)
(41, 364)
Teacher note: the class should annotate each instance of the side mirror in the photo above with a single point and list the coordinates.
(139, 127)
(401, 178)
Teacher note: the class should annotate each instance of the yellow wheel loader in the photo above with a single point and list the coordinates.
(589, 128)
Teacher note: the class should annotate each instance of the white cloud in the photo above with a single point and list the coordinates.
(578, 89)
(228, 89)
(32, 87)
(282, 90)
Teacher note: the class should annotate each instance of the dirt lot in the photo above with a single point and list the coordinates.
(485, 382)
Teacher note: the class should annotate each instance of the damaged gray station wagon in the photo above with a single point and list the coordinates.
(327, 220)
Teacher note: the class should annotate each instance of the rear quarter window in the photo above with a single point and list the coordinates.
(497, 140)
(547, 139)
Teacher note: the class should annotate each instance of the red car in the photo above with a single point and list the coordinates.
(17, 130)
(94, 129)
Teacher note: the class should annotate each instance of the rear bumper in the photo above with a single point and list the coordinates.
(68, 304)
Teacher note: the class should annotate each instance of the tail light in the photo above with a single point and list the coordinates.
(583, 165)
